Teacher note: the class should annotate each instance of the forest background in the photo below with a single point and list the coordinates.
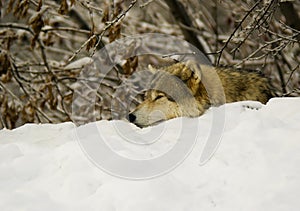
(44, 45)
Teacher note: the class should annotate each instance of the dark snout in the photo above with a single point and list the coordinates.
(131, 117)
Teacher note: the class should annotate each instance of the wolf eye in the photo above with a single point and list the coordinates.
(170, 98)
(158, 97)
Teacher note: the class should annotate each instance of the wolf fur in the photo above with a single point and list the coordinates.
(188, 89)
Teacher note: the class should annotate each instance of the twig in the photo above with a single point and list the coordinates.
(236, 29)
(81, 47)
(44, 58)
(100, 35)
(111, 23)
(26, 93)
(289, 38)
(146, 3)
(216, 28)
(259, 49)
(291, 92)
(290, 28)
(1, 117)
(257, 24)
(87, 5)
(180, 14)
(16, 26)
(67, 29)
(291, 16)
(281, 75)
(290, 76)
(10, 93)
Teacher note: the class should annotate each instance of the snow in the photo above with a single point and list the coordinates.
(255, 167)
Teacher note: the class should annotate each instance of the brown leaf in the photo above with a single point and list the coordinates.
(118, 8)
(21, 9)
(28, 112)
(7, 37)
(73, 2)
(91, 43)
(40, 5)
(130, 66)
(9, 112)
(63, 9)
(5, 66)
(114, 32)
(10, 6)
(37, 23)
(48, 40)
(105, 16)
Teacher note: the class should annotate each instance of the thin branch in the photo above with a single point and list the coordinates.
(236, 29)
(291, 16)
(67, 29)
(281, 75)
(182, 17)
(290, 76)
(101, 34)
(259, 49)
(257, 24)
(292, 92)
(27, 94)
(117, 19)
(81, 47)
(16, 26)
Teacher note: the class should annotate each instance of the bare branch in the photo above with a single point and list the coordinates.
(182, 17)
(291, 15)
(236, 29)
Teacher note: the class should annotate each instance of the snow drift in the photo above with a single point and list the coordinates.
(256, 167)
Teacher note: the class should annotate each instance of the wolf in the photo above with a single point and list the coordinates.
(188, 89)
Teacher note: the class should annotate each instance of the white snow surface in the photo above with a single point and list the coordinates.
(256, 167)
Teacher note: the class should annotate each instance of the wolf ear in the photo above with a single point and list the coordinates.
(195, 68)
(195, 79)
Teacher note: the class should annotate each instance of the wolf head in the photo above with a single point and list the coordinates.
(167, 98)
(156, 107)
(188, 89)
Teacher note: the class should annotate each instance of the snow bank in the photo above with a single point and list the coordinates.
(256, 167)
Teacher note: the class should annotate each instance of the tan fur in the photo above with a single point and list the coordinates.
(196, 88)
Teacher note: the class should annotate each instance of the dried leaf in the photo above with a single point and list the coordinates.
(28, 112)
(105, 17)
(130, 66)
(91, 43)
(63, 9)
(73, 2)
(40, 5)
(114, 32)
(21, 9)
(48, 40)
(6, 77)
(7, 37)
(118, 8)
(37, 23)
(5, 65)
(10, 6)
(9, 112)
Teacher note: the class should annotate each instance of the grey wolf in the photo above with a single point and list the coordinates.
(188, 89)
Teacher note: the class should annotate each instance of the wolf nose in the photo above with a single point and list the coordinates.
(131, 117)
